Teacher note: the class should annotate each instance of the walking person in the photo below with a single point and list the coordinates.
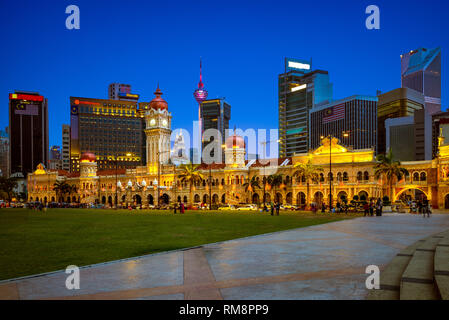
(182, 210)
(278, 207)
(371, 208)
(323, 207)
(366, 209)
(272, 208)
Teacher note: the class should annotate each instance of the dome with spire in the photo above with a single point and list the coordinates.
(88, 157)
(158, 103)
(235, 141)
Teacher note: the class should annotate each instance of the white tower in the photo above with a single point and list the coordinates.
(235, 151)
(158, 132)
(179, 152)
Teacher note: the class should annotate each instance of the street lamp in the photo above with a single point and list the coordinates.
(331, 177)
(116, 178)
(159, 174)
(264, 143)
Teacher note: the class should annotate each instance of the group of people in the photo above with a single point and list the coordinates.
(179, 206)
(423, 207)
(373, 206)
(274, 207)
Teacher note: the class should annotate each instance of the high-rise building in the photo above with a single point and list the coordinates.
(55, 153)
(300, 89)
(66, 147)
(410, 138)
(421, 71)
(4, 153)
(120, 91)
(55, 161)
(28, 131)
(111, 129)
(398, 103)
(215, 114)
(352, 120)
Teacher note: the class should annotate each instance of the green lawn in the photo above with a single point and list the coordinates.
(34, 242)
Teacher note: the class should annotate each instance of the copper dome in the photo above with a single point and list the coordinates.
(88, 157)
(158, 102)
(235, 141)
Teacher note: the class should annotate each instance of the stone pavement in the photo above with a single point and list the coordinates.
(319, 262)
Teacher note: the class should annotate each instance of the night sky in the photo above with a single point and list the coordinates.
(242, 43)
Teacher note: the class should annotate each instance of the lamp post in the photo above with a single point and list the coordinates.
(264, 143)
(116, 178)
(331, 177)
(159, 175)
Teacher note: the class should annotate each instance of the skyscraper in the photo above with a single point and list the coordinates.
(111, 129)
(28, 131)
(120, 91)
(398, 103)
(352, 120)
(4, 153)
(421, 71)
(66, 147)
(300, 89)
(215, 114)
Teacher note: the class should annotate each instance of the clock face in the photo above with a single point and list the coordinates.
(152, 122)
(164, 123)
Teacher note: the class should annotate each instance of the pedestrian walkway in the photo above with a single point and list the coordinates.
(320, 262)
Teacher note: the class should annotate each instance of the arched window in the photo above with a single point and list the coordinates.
(321, 177)
(415, 176)
(359, 176)
(330, 176)
(339, 176)
(222, 182)
(423, 176)
(366, 176)
(345, 176)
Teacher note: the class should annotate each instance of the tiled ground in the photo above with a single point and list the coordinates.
(320, 262)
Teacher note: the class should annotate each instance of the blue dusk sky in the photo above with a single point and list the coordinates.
(242, 43)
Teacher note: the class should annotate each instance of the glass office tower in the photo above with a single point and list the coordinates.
(300, 89)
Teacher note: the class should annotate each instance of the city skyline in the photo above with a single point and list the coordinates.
(256, 48)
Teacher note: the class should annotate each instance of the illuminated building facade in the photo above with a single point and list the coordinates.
(111, 129)
(352, 120)
(28, 131)
(352, 175)
(421, 71)
(300, 89)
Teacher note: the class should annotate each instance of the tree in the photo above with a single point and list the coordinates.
(7, 186)
(61, 188)
(310, 173)
(274, 180)
(190, 174)
(390, 168)
(250, 185)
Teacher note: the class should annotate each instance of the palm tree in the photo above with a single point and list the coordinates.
(250, 185)
(390, 168)
(7, 186)
(310, 172)
(61, 188)
(191, 175)
(274, 180)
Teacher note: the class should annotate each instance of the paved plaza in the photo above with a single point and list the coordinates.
(320, 262)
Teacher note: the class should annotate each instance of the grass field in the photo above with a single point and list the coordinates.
(34, 242)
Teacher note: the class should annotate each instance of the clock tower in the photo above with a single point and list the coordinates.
(158, 132)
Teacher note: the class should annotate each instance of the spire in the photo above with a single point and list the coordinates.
(200, 84)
